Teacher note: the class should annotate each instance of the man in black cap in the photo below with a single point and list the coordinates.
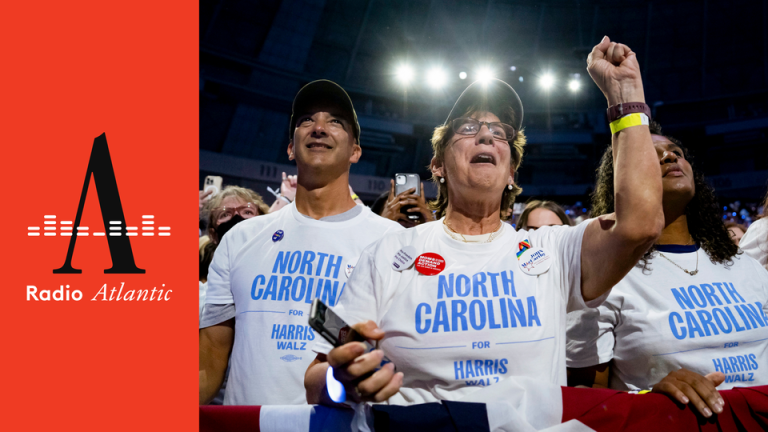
(267, 270)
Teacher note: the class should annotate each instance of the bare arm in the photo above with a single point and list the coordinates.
(614, 243)
(682, 386)
(686, 386)
(288, 190)
(215, 346)
(314, 382)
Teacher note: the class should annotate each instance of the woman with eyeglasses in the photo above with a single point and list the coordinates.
(465, 302)
(690, 317)
(231, 206)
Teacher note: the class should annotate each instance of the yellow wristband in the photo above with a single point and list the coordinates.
(354, 196)
(643, 391)
(637, 119)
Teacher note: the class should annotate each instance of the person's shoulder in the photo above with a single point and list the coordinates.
(760, 224)
(756, 230)
(249, 228)
(551, 232)
(399, 237)
(381, 223)
(258, 222)
(742, 262)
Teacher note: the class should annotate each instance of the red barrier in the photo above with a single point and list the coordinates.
(746, 409)
(230, 418)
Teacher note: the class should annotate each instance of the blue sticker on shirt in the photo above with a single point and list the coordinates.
(277, 236)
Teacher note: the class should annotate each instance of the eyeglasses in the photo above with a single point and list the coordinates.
(247, 211)
(470, 127)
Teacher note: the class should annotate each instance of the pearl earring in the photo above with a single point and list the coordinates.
(442, 179)
(509, 186)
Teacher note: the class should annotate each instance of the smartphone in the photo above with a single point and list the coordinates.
(212, 182)
(403, 182)
(333, 329)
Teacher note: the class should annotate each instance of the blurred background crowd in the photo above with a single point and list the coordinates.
(403, 63)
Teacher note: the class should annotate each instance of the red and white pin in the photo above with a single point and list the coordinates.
(430, 264)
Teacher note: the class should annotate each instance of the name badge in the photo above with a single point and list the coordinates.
(534, 262)
(404, 258)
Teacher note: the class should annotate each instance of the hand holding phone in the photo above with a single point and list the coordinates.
(212, 183)
(403, 182)
(363, 371)
(405, 203)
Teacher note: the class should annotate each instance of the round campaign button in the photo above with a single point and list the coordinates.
(430, 264)
(404, 258)
(278, 235)
(535, 261)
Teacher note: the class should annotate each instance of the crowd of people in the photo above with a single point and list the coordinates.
(649, 290)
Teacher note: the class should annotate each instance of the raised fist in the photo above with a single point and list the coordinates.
(614, 68)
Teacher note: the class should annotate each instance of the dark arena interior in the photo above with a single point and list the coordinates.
(704, 66)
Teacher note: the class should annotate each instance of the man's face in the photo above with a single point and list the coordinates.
(676, 172)
(324, 138)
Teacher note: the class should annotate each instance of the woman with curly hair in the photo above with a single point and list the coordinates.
(690, 316)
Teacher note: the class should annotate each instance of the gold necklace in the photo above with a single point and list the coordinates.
(493, 235)
(692, 273)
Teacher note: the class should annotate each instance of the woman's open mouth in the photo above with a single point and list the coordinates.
(483, 158)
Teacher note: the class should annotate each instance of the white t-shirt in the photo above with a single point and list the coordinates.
(754, 242)
(202, 288)
(659, 320)
(272, 267)
(479, 321)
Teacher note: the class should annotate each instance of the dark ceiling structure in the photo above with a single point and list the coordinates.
(704, 64)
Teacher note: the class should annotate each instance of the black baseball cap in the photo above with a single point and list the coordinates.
(323, 91)
(496, 96)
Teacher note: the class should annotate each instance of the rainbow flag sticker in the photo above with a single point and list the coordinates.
(523, 246)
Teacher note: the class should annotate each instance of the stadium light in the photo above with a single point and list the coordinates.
(547, 81)
(404, 74)
(462, 75)
(436, 78)
(574, 85)
(484, 75)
